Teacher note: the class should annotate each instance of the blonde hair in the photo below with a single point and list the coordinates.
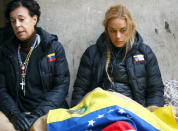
(119, 11)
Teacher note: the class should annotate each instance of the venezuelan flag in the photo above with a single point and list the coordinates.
(138, 58)
(51, 57)
(103, 111)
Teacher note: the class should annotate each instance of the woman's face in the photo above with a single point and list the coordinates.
(118, 32)
(22, 23)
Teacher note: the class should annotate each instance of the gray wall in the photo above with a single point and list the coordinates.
(78, 23)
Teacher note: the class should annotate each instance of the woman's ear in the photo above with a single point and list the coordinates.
(35, 19)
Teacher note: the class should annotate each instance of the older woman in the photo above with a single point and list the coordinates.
(121, 62)
(34, 74)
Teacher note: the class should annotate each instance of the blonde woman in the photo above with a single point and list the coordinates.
(120, 62)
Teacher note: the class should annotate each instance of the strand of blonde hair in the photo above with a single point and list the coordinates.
(108, 57)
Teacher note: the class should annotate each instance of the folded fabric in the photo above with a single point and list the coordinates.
(100, 109)
(119, 126)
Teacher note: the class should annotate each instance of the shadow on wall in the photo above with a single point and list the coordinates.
(3, 5)
(5, 29)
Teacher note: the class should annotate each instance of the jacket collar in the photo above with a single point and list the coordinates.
(101, 43)
(137, 43)
(46, 38)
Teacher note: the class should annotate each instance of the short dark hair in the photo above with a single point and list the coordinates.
(32, 6)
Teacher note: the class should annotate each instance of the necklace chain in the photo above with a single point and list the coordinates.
(24, 65)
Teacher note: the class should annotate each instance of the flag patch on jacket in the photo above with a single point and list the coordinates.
(51, 57)
(138, 58)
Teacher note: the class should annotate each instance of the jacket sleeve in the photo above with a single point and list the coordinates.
(83, 80)
(7, 105)
(56, 95)
(155, 88)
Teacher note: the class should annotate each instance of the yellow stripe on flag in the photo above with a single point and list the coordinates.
(52, 54)
(138, 56)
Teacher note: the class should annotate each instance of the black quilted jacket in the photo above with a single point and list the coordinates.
(144, 74)
(54, 76)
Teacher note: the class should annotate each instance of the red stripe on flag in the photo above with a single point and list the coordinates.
(119, 126)
(50, 60)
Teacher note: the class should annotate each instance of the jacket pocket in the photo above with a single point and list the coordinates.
(140, 70)
(47, 80)
(46, 71)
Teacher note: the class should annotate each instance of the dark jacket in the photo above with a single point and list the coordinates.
(144, 75)
(5, 33)
(54, 76)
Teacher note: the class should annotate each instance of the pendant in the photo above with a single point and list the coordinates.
(23, 75)
(23, 71)
(23, 67)
(23, 86)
